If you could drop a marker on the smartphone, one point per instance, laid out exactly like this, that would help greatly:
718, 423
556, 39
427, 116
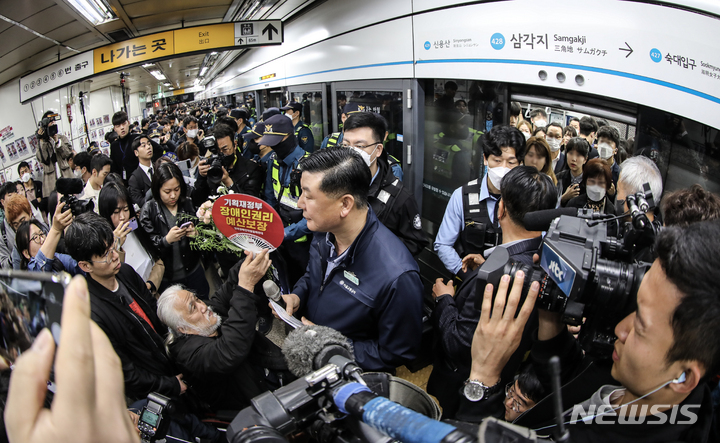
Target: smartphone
133, 223
186, 225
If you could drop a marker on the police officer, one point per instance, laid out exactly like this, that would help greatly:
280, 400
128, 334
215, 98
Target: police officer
282, 191
470, 224
241, 117
392, 203
336, 138
303, 134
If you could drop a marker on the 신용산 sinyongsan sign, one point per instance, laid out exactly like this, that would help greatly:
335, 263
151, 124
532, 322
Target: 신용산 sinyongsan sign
147, 48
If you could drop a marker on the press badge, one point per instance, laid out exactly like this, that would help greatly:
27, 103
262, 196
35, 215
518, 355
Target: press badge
350, 276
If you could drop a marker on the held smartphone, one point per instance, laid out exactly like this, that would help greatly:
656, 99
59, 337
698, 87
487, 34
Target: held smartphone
133, 223
185, 225
184, 165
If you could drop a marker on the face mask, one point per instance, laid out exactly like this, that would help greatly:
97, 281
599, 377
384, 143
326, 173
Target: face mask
288, 116
156, 140
540, 123
25, 177
192, 133
253, 147
527, 135
228, 160
595, 192
78, 173
554, 144
284, 148
605, 150
365, 156
496, 175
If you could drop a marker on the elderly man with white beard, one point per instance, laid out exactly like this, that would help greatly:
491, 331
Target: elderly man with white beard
216, 345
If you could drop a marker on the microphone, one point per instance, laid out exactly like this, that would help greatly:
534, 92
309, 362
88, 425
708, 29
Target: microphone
272, 291
394, 420
541, 220
310, 347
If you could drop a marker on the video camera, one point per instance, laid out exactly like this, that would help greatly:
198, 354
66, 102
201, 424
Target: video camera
69, 188
217, 161
45, 124
583, 272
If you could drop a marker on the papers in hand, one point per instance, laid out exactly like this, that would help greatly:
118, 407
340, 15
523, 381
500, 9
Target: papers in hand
282, 313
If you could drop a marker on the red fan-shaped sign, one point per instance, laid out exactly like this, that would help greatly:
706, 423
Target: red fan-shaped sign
248, 221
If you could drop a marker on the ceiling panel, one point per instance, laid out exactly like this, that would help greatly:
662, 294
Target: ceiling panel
143, 9
49, 19
20, 10
176, 17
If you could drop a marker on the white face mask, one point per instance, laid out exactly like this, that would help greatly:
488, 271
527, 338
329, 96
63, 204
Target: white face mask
605, 150
496, 175
25, 177
192, 133
527, 135
288, 115
78, 173
156, 140
540, 123
554, 144
595, 192
368, 158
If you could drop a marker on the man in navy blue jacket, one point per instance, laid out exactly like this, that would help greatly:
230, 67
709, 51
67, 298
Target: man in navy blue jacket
361, 280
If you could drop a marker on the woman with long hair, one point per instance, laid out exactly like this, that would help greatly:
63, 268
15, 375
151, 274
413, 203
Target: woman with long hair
165, 217
538, 155
38, 246
133, 245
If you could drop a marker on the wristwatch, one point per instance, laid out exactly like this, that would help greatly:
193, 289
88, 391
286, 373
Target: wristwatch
475, 390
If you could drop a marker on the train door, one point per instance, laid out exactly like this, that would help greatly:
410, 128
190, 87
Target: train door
392, 100
314, 111
269, 98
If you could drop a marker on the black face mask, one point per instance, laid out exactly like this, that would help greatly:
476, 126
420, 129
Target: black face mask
253, 147
228, 160
284, 148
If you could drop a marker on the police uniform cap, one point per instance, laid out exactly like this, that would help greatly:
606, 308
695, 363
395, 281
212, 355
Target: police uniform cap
257, 131
295, 106
276, 128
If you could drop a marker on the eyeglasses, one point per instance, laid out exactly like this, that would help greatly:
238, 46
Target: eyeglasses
510, 393
37, 238
361, 147
107, 258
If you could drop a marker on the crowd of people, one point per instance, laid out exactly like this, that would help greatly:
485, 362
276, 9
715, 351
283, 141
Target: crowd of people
352, 234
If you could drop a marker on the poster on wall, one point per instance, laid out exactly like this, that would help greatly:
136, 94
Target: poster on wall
101, 133
84, 143
92, 123
10, 147
23, 146
106, 119
33, 142
6, 133
105, 148
2, 156
2, 178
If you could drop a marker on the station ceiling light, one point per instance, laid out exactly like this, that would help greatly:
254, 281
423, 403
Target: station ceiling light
96, 12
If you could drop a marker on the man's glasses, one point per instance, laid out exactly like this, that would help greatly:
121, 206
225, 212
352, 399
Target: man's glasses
510, 393
360, 146
107, 258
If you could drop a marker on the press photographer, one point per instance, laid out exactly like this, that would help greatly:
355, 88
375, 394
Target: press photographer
55, 150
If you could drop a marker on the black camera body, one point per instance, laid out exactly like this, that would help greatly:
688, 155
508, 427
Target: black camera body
155, 418
583, 272
44, 124
217, 161
69, 187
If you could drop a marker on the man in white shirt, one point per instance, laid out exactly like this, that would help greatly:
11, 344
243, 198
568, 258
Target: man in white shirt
100, 165
141, 179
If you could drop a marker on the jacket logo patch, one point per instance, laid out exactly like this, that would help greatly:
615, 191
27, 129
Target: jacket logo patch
304, 139
416, 222
347, 287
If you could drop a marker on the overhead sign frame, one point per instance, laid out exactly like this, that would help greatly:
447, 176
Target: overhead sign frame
150, 48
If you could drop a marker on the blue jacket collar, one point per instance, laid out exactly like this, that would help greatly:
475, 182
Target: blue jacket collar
371, 225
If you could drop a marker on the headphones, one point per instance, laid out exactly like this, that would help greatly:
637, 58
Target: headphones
680, 379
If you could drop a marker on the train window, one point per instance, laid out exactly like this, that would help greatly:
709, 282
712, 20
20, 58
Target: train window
311, 113
388, 104
271, 98
457, 114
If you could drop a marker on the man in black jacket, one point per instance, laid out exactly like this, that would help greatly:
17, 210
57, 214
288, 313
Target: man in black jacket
141, 180
238, 173
655, 387
393, 204
123, 307
212, 343
123, 159
455, 317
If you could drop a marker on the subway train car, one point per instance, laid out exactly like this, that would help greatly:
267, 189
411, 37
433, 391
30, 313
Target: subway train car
649, 68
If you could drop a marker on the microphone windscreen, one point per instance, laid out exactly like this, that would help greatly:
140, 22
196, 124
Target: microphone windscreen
272, 291
540, 220
305, 343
